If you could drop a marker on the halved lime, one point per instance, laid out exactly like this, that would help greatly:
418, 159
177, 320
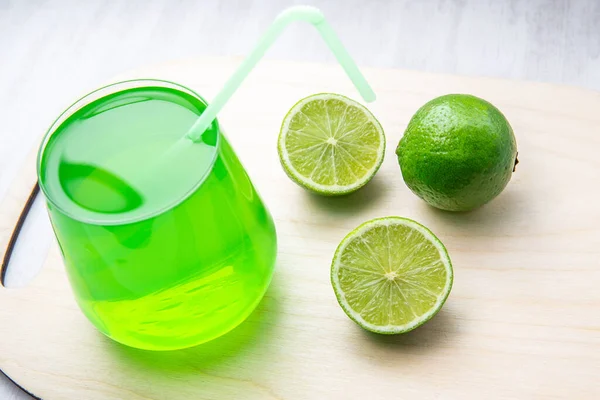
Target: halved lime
391, 275
330, 144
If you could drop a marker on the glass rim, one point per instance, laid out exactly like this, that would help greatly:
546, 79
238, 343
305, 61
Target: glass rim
98, 94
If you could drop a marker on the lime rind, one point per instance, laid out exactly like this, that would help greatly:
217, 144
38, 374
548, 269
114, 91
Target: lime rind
457, 153
328, 190
415, 323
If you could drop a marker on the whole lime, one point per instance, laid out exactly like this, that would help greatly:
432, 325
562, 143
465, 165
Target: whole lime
458, 152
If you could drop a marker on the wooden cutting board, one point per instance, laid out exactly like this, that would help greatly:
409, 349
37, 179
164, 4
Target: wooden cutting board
522, 321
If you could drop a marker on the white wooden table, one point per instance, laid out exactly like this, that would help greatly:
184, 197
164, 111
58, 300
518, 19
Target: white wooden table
52, 51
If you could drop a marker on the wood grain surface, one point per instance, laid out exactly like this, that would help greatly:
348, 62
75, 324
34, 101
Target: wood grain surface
53, 50
521, 322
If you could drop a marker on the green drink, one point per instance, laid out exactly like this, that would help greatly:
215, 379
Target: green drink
165, 241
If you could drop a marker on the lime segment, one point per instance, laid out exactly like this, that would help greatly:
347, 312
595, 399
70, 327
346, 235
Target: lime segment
330, 144
391, 275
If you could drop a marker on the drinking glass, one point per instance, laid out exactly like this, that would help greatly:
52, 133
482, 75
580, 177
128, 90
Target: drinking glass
165, 241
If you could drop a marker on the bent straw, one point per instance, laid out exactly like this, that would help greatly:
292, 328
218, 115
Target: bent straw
297, 13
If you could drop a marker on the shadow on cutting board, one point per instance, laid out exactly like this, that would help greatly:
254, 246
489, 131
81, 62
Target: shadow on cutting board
441, 328
349, 204
500, 216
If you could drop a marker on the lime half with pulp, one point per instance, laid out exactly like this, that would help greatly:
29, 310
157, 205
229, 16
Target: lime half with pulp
330, 144
391, 275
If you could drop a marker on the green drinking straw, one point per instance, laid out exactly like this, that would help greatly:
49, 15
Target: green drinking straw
297, 13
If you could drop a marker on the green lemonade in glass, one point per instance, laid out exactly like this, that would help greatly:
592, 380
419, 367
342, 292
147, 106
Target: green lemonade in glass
166, 242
